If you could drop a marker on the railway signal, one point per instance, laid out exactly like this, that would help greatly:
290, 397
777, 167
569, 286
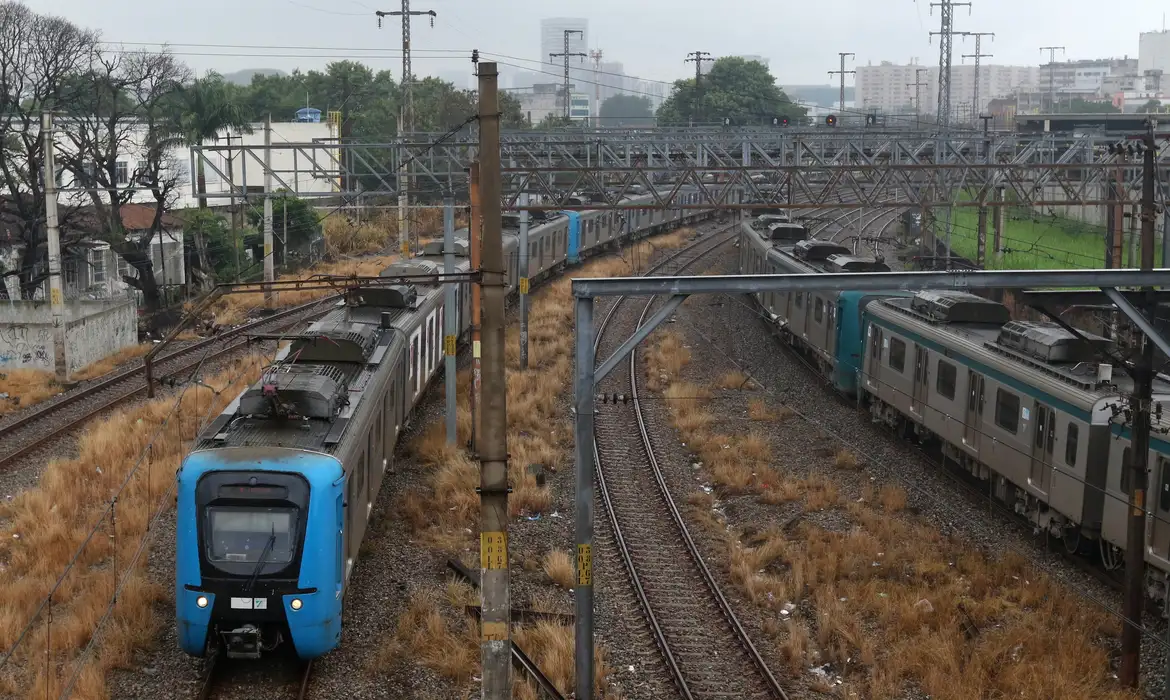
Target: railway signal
831, 120
727, 121
870, 119
779, 121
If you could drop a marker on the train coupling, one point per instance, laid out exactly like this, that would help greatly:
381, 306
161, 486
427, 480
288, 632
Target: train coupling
243, 642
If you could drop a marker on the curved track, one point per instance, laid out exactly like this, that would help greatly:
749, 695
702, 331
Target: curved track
31, 431
703, 644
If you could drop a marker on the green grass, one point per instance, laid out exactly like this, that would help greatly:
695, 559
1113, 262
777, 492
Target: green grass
1032, 241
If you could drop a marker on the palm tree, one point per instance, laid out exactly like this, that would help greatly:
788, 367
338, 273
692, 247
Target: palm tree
204, 109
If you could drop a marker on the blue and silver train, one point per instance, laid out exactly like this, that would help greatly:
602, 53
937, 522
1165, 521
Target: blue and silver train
274, 499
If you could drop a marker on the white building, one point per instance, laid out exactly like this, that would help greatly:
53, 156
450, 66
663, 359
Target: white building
890, 88
1154, 52
1085, 79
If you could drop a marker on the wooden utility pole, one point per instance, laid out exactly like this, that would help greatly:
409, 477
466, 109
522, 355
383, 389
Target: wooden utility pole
1140, 404
496, 638
475, 243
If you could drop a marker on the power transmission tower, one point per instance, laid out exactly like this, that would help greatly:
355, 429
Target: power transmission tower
977, 55
697, 57
565, 54
1052, 74
406, 112
946, 30
596, 56
843, 73
917, 85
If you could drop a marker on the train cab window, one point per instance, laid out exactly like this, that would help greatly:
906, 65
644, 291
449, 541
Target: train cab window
897, 354
241, 535
1007, 410
1070, 445
819, 311
945, 382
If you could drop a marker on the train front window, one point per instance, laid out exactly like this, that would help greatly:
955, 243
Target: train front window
241, 535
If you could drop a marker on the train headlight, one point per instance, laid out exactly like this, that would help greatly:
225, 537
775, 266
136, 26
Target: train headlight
201, 601
295, 604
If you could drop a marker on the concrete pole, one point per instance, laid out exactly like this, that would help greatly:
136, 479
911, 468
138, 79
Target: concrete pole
496, 640
583, 508
523, 281
403, 187
269, 264
475, 243
998, 221
449, 313
56, 291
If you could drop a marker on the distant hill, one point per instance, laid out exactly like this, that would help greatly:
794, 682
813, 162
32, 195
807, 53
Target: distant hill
825, 95
244, 77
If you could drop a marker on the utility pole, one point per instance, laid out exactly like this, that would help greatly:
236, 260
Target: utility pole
997, 222
1052, 79
977, 55
981, 244
405, 116
53, 232
946, 30
566, 54
843, 73
269, 263
596, 56
523, 281
475, 243
496, 641
450, 330
917, 85
697, 57
1140, 404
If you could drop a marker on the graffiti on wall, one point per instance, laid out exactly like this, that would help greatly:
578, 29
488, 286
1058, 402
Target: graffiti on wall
26, 346
98, 335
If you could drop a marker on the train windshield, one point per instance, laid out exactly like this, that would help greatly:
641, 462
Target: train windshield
241, 535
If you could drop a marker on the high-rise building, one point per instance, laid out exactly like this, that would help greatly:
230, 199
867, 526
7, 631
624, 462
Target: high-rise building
890, 88
552, 39
1154, 55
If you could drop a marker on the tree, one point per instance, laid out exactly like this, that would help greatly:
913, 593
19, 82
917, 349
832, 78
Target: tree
627, 110
1153, 106
1079, 106
294, 223
38, 54
118, 106
741, 90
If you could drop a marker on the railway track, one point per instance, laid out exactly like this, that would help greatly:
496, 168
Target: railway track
705, 648
217, 684
32, 431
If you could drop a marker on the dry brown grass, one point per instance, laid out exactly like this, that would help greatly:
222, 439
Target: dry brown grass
26, 387
893, 498
45, 525
846, 459
346, 236
109, 363
551, 647
449, 647
666, 357
560, 568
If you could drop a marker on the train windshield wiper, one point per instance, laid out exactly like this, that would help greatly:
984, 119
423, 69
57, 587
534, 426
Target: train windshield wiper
263, 555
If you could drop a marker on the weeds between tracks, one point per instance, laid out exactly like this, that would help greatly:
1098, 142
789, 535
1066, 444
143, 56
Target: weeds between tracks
886, 602
444, 514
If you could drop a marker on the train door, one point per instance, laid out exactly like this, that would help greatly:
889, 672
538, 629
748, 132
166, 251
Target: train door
921, 385
1043, 441
974, 419
1160, 541
873, 366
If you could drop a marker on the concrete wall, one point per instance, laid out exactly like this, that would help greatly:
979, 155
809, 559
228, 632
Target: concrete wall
100, 332
93, 330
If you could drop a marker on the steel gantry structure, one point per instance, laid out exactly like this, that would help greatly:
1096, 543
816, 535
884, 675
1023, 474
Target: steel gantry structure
807, 168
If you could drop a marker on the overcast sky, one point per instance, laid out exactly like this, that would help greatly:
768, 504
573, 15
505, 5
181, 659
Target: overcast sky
650, 37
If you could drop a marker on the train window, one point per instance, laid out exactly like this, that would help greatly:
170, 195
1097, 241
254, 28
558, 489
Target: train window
1164, 485
819, 311
414, 357
800, 300
945, 382
897, 354
1051, 432
1070, 445
1007, 410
